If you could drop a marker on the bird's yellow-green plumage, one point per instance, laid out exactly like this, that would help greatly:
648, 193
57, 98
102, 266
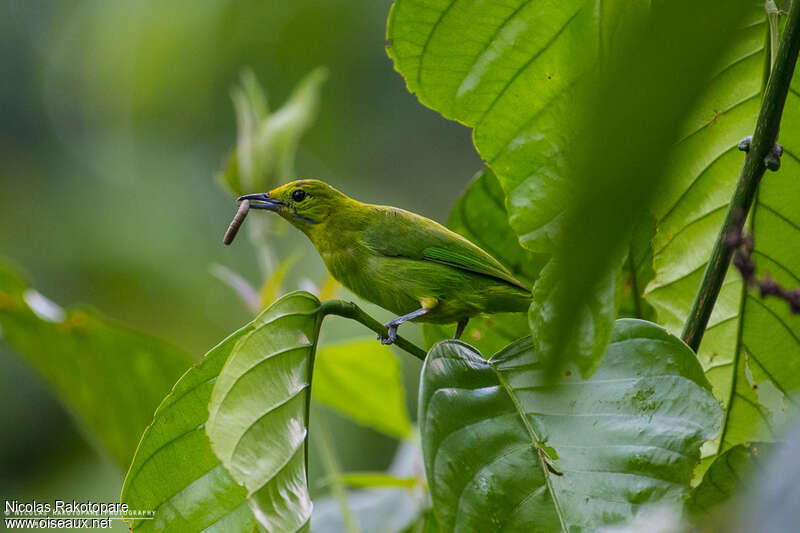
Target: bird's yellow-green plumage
396, 259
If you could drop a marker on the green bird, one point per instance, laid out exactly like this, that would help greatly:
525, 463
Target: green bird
401, 261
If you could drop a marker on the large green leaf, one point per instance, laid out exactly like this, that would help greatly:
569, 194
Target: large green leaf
516, 80
510, 80
111, 378
611, 194
175, 472
505, 451
361, 379
258, 414
480, 216
751, 349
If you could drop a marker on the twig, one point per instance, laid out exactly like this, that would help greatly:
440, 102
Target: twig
743, 244
352, 311
760, 156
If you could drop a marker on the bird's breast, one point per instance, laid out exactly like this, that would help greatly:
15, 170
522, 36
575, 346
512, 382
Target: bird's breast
372, 278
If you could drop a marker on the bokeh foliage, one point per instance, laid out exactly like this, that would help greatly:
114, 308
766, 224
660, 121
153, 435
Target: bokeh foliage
563, 114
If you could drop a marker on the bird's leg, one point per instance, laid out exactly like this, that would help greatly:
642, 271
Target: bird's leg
462, 324
392, 325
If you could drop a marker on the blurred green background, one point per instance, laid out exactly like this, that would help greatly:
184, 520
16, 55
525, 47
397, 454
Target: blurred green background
114, 117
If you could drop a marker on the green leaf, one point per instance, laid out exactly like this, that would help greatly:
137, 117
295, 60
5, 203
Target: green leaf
727, 476
258, 414
615, 107
522, 81
505, 451
361, 379
480, 216
750, 351
509, 80
175, 472
110, 377
593, 318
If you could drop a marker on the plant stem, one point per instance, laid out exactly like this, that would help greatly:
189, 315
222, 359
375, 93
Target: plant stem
773, 16
763, 141
352, 311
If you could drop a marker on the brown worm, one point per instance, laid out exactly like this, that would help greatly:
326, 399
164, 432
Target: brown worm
237, 221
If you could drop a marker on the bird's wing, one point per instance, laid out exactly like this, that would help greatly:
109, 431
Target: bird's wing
400, 233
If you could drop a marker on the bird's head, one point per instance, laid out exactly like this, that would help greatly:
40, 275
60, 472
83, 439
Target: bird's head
304, 203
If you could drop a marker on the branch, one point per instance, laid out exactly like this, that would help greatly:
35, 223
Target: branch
743, 261
761, 155
352, 311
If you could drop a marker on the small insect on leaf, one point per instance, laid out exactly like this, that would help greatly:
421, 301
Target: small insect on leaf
238, 219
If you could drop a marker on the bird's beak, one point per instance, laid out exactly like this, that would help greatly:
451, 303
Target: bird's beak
262, 200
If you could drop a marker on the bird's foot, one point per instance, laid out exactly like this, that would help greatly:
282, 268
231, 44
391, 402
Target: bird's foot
392, 334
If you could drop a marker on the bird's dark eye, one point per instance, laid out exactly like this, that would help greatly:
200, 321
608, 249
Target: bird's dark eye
298, 195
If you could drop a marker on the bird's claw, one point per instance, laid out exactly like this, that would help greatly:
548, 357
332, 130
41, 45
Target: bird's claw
392, 335
772, 160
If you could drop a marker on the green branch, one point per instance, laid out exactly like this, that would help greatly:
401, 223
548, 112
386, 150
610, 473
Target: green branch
352, 311
761, 154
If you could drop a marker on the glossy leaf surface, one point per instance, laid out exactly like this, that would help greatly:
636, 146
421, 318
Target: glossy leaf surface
175, 472
258, 413
504, 451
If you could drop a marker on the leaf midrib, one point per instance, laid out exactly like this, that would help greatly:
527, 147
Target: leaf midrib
535, 440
